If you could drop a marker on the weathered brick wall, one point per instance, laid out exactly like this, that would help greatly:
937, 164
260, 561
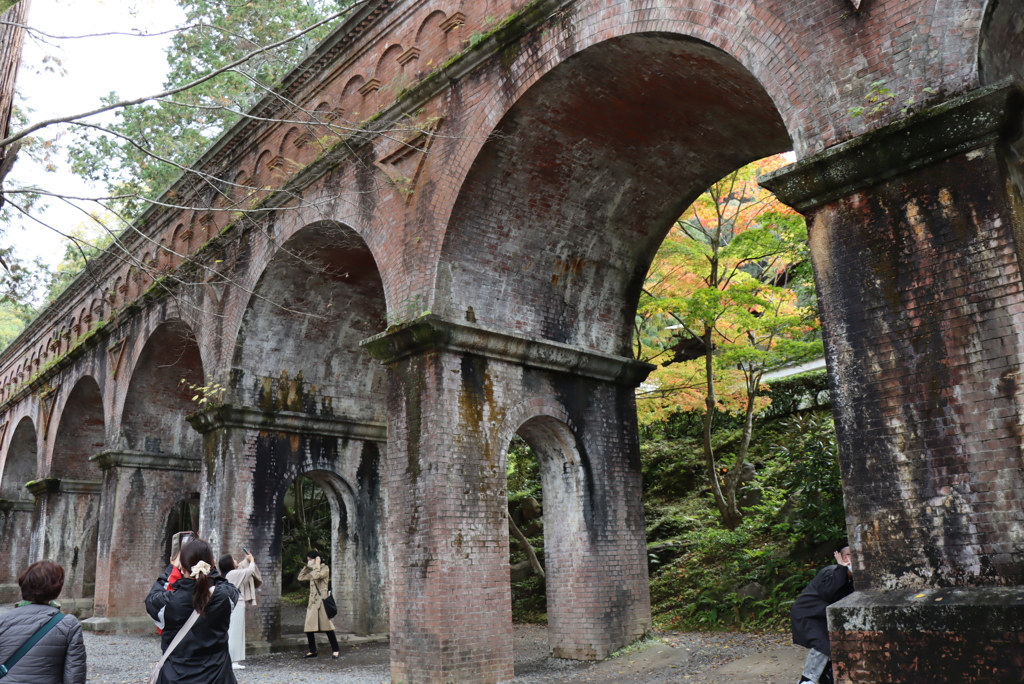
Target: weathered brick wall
135, 508
65, 530
914, 233
16, 536
957, 637
167, 375
246, 473
21, 463
79, 434
922, 303
453, 411
318, 296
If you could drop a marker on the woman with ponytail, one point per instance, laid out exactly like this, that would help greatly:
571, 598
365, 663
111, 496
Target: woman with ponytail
201, 657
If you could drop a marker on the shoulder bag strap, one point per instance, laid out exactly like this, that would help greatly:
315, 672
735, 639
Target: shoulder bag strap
182, 633
32, 641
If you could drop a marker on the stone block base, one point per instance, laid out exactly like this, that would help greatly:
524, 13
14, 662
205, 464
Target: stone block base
81, 608
10, 593
119, 625
939, 636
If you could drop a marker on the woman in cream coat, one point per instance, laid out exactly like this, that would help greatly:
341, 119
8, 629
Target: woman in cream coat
318, 575
242, 575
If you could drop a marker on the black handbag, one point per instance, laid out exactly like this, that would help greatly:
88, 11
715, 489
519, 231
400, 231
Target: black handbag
330, 606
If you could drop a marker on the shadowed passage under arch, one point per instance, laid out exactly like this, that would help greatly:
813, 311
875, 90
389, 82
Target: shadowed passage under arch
160, 393
298, 347
564, 208
16, 506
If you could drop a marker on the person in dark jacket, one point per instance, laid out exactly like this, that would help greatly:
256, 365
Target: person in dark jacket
202, 656
810, 624
59, 657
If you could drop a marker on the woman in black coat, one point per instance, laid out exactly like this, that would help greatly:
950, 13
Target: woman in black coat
810, 625
202, 656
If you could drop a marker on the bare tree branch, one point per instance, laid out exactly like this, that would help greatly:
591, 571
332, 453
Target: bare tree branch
166, 93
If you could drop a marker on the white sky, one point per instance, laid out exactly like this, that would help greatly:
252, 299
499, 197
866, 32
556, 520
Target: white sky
130, 65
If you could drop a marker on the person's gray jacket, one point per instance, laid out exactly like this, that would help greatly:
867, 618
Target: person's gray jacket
59, 658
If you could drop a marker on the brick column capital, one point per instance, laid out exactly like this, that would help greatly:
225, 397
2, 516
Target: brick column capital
430, 332
8, 506
48, 485
252, 418
978, 118
145, 460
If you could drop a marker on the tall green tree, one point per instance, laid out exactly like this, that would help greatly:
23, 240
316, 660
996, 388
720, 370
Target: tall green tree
129, 159
723, 305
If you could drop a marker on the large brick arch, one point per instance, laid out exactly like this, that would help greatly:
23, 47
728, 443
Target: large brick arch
80, 432
315, 300
160, 392
21, 462
566, 205
1001, 42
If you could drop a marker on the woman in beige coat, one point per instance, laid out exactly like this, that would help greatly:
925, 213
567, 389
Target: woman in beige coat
318, 574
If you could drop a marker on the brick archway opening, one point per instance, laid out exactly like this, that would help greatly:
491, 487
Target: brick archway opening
297, 349
348, 551
565, 206
183, 516
71, 506
81, 433
167, 375
562, 467
21, 464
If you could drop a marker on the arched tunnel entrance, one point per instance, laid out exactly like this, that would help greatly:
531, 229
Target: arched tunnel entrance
308, 403
16, 506
68, 519
552, 234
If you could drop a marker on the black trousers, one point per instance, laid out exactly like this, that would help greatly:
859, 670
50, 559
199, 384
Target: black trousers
330, 637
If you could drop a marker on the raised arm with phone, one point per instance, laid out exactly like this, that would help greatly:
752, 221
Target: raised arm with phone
318, 618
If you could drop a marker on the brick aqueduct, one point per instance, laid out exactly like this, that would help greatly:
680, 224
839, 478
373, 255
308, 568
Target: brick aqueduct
448, 212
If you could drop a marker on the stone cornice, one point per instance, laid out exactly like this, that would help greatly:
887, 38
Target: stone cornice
148, 461
978, 118
55, 484
291, 422
9, 505
432, 332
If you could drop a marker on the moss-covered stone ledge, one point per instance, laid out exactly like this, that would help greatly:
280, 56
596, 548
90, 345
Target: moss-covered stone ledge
146, 461
289, 422
981, 117
8, 506
430, 332
50, 485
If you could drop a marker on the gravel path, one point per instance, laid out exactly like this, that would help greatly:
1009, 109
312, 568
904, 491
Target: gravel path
666, 657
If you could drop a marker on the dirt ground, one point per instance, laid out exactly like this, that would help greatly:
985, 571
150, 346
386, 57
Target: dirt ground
669, 657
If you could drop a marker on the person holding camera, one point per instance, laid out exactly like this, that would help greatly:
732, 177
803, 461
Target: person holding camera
195, 650
317, 620
243, 576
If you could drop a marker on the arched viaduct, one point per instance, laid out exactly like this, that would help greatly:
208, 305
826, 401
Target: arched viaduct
471, 193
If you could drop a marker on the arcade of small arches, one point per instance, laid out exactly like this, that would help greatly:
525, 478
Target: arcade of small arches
395, 312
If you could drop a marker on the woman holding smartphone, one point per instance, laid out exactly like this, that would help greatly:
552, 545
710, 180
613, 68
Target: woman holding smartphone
318, 574
241, 575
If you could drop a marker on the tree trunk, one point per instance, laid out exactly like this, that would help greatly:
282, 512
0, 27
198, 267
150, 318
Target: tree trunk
12, 39
732, 482
525, 544
711, 405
